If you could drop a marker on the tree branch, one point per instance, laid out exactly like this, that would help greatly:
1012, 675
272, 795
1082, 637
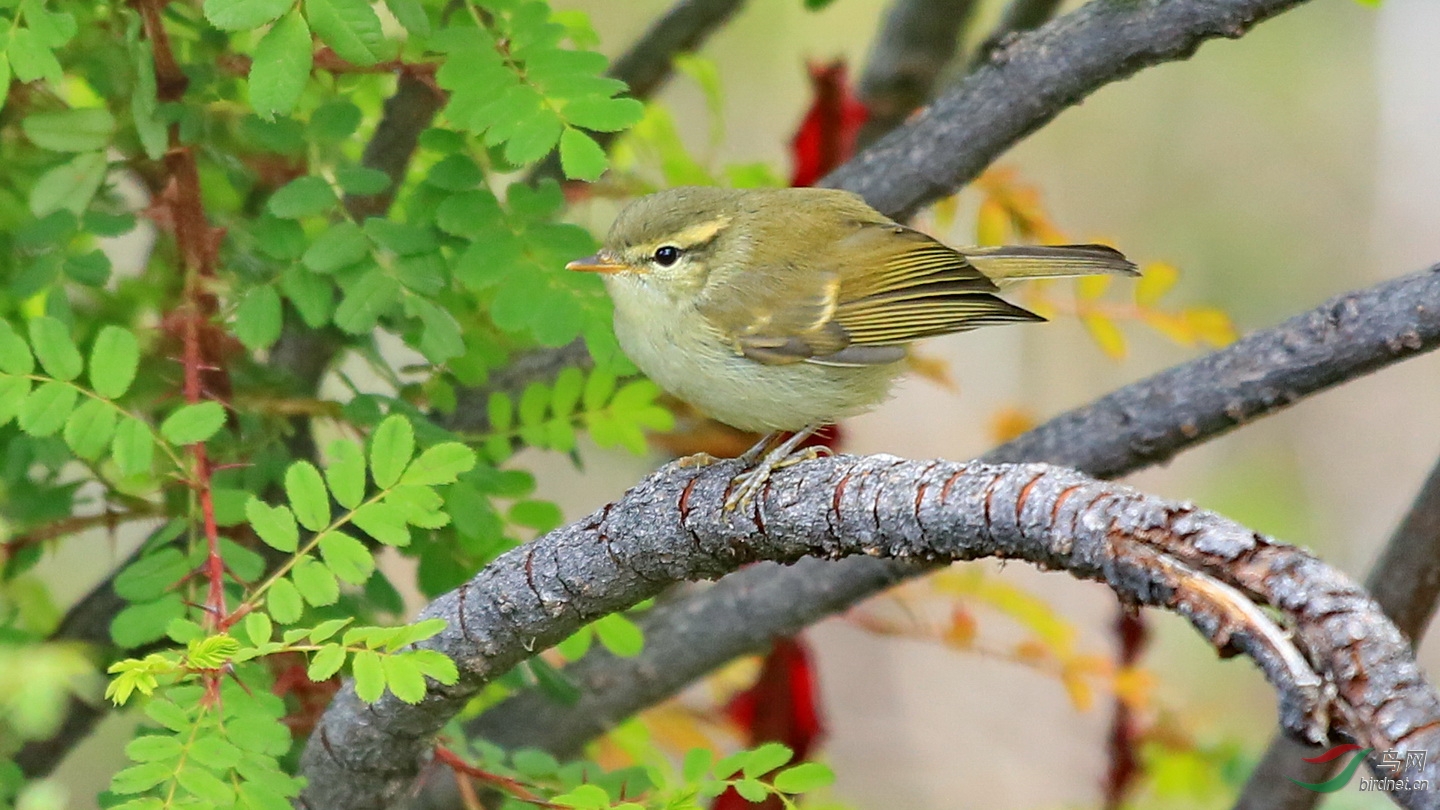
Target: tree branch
1141, 424
1405, 581
1020, 16
917, 40
1029, 82
1337, 663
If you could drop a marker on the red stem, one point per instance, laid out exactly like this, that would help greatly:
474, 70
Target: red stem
196, 242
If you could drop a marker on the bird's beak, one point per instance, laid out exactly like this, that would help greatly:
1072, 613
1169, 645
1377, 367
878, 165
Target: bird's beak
597, 263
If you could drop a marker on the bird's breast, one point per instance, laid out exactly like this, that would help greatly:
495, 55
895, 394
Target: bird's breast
687, 356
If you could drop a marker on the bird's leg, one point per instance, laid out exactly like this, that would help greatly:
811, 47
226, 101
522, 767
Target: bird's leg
745, 486
703, 459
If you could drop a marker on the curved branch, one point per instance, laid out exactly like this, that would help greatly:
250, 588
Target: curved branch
1337, 663
1141, 424
1406, 583
1027, 83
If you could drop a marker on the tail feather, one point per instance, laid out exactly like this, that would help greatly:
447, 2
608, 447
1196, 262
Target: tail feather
1014, 262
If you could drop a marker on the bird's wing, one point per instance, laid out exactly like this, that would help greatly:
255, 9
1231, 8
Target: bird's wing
876, 287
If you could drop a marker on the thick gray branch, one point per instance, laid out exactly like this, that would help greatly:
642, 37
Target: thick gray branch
1405, 582
1030, 81
1141, 424
1336, 662
1020, 16
915, 43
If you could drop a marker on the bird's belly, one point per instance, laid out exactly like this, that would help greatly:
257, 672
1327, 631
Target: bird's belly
698, 368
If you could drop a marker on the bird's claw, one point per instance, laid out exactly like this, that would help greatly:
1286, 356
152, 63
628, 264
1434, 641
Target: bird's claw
745, 486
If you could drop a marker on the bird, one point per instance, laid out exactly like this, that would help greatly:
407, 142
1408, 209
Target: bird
784, 309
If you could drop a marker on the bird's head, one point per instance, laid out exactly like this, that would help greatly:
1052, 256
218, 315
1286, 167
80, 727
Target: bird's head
669, 240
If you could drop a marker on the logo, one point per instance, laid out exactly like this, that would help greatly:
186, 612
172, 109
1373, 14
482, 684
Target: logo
1393, 761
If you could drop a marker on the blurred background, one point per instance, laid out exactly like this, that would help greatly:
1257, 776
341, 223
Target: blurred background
1274, 172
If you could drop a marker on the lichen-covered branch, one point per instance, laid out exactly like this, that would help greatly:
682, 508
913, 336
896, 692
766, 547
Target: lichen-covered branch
1336, 662
1028, 82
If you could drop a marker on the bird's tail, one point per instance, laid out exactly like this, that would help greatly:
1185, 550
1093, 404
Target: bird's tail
1015, 262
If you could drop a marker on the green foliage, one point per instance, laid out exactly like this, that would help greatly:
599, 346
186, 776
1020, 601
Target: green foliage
178, 396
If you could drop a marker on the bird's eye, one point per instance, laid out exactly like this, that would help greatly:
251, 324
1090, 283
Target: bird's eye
666, 255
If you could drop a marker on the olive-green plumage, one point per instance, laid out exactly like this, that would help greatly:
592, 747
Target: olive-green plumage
777, 309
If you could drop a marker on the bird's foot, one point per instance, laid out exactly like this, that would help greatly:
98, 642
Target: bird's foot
745, 486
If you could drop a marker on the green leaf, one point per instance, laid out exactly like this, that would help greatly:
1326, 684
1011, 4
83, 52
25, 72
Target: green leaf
603, 114
154, 748
580, 156
13, 391
308, 498
620, 635
258, 628
315, 582
365, 301
241, 15
751, 790
281, 66
215, 752
31, 58
284, 602
141, 777
384, 522
441, 338
440, 464
369, 675
46, 409
69, 186
56, 350
326, 662
403, 678
436, 665
89, 429
258, 319
411, 14
302, 197
766, 758
144, 622
340, 245
391, 446
350, 27
312, 295
803, 778
193, 423
113, 361
15, 355
347, 557
542, 515
326, 629
206, 787
346, 472
91, 268
533, 138
274, 524
697, 763
335, 121
87, 129
134, 446
361, 180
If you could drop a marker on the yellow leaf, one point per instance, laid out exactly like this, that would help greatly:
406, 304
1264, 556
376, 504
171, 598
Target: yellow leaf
992, 223
931, 368
1134, 687
962, 630
1106, 333
1175, 327
1009, 422
677, 729
1211, 325
1025, 608
1031, 651
945, 210
1081, 695
1156, 279
1090, 288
